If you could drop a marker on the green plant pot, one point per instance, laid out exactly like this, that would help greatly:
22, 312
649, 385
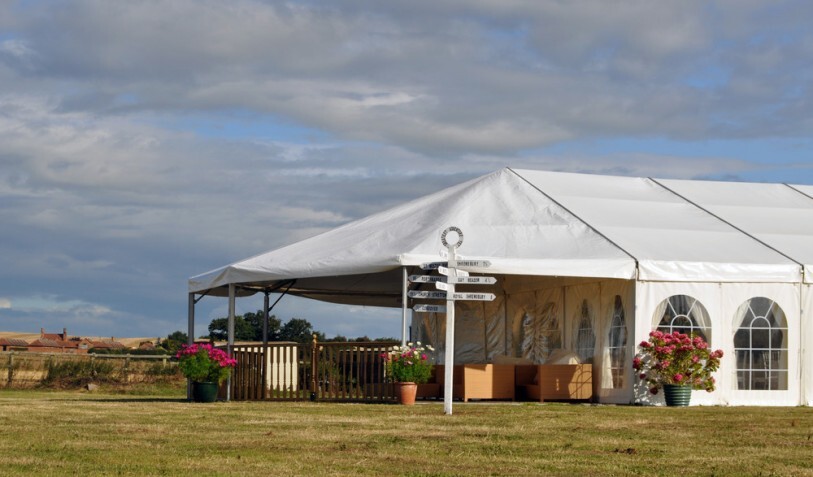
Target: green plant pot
204, 392
677, 394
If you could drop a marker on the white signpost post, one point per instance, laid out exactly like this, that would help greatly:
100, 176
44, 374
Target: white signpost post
450, 276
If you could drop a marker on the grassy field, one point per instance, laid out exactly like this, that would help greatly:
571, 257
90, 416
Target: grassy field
59, 433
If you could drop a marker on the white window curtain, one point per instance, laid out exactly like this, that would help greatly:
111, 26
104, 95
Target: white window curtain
615, 353
761, 346
585, 336
684, 314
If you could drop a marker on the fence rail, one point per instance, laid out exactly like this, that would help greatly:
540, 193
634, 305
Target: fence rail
334, 371
25, 369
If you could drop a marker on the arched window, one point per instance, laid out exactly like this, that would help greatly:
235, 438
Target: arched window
617, 344
683, 314
761, 346
585, 337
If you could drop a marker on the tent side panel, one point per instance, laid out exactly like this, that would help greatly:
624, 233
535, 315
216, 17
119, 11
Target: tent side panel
775, 379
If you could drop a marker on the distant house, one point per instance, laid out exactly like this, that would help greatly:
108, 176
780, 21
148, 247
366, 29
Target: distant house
62, 343
146, 345
13, 344
54, 336
107, 344
47, 345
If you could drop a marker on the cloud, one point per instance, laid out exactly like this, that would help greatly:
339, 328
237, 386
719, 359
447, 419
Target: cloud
5, 303
145, 142
457, 76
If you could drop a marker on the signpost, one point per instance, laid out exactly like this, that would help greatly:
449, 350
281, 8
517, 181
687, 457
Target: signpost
425, 279
474, 296
472, 280
433, 265
432, 295
473, 264
445, 271
429, 308
451, 273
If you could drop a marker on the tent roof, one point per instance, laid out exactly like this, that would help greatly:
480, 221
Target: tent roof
504, 219
546, 223
778, 215
671, 238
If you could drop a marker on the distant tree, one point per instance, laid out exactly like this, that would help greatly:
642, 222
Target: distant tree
387, 339
300, 331
174, 341
255, 319
248, 327
219, 329
360, 339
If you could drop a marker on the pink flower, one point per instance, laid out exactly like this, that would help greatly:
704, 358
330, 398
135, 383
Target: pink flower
678, 377
636, 363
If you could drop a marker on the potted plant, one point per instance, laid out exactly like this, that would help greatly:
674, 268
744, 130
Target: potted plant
407, 366
207, 367
677, 363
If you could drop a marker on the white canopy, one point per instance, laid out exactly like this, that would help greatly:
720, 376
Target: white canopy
778, 215
550, 224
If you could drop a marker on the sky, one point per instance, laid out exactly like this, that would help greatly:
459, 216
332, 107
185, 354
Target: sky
145, 142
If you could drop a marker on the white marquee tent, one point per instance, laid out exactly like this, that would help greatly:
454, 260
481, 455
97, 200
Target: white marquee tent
587, 263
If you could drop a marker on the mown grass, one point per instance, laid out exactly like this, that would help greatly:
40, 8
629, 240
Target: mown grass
58, 433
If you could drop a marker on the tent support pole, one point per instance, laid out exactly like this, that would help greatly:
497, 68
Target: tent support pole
190, 337
404, 286
265, 353
230, 342
265, 320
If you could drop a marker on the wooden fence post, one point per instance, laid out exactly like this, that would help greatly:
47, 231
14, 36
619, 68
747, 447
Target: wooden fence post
10, 368
314, 367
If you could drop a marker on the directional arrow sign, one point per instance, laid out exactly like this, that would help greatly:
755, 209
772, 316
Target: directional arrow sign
473, 263
446, 271
441, 286
433, 265
472, 280
429, 308
425, 279
433, 295
474, 296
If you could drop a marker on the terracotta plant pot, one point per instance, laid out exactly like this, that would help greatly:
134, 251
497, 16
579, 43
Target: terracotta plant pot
406, 392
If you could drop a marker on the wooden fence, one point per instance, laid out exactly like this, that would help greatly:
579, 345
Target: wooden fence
335, 371
21, 369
